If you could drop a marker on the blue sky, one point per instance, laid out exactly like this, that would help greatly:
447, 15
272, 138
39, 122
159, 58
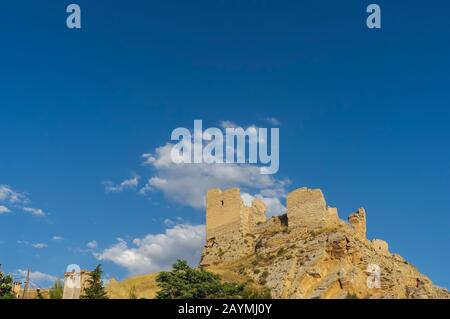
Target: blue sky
364, 116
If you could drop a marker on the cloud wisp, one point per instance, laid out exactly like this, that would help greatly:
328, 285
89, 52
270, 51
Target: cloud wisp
34, 245
92, 244
34, 211
130, 183
4, 210
11, 199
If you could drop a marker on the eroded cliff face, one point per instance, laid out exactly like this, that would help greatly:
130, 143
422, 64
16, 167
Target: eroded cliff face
308, 252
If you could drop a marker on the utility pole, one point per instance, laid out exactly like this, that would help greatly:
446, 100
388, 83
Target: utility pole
27, 282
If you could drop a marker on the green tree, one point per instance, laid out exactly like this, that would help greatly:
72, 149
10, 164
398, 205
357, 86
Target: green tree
6, 286
56, 291
184, 282
95, 288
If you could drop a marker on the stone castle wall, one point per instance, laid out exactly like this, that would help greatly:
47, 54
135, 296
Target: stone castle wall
307, 208
232, 227
226, 212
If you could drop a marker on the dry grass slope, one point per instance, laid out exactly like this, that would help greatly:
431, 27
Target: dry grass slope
145, 287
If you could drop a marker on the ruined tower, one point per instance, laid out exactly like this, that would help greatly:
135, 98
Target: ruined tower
230, 225
226, 213
358, 221
307, 208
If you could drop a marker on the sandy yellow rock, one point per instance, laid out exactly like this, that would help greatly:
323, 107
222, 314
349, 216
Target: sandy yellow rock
308, 252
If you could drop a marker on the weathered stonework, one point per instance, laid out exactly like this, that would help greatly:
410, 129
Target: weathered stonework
358, 222
226, 212
381, 246
307, 208
230, 225
257, 214
274, 224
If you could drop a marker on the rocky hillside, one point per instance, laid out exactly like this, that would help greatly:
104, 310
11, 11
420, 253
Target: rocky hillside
306, 253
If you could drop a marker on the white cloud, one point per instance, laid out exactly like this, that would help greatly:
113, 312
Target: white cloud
247, 199
157, 252
57, 238
92, 244
11, 198
34, 211
274, 206
4, 210
8, 195
187, 184
39, 245
130, 183
228, 124
273, 121
37, 277
168, 222
34, 245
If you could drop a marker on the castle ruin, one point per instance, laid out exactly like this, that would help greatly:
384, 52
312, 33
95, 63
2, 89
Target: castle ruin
232, 227
308, 252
